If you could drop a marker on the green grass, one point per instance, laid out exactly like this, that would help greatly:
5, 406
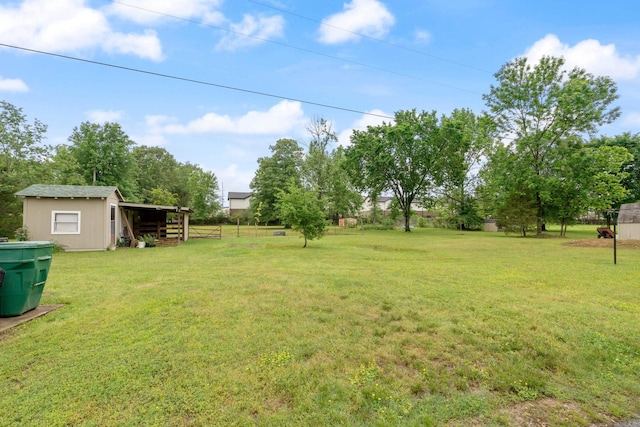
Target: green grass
433, 327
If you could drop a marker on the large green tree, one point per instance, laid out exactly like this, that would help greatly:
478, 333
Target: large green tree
538, 109
203, 191
408, 158
586, 179
473, 136
342, 199
273, 175
158, 169
104, 155
23, 159
631, 167
302, 209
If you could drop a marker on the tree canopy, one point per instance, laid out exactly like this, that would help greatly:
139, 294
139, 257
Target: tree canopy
408, 157
302, 209
542, 111
273, 175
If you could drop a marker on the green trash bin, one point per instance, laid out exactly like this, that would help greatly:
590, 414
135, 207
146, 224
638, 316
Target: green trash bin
25, 266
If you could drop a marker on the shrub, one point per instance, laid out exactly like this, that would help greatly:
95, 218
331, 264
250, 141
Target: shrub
22, 234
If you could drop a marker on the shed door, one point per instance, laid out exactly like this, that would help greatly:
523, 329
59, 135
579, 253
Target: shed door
113, 224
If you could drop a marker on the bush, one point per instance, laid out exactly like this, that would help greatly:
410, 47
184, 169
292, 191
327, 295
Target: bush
21, 234
149, 240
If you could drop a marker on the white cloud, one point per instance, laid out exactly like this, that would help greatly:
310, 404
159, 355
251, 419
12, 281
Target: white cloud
135, 10
423, 36
589, 54
372, 119
67, 26
251, 31
103, 116
367, 17
145, 45
282, 118
234, 179
12, 85
154, 130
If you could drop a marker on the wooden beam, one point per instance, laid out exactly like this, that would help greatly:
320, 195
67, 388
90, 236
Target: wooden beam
134, 241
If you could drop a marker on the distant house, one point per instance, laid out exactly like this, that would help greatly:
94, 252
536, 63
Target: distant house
239, 203
89, 218
384, 206
629, 222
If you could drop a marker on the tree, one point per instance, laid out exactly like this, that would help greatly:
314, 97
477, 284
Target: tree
342, 199
65, 168
518, 213
302, 210
203, 191
539, 108
158, 169
23, 158
408, 158
105, 157
461, 177
631, 167
587, 178
273, 175
162, 197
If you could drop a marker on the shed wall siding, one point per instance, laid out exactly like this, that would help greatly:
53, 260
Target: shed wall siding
629, 231
236, 204
95, 231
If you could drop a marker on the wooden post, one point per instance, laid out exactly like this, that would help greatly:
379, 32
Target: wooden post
134, 241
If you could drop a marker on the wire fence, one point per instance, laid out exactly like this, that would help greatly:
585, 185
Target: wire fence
247, 231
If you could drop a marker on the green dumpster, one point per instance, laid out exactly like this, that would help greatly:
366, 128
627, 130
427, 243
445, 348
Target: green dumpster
25, 266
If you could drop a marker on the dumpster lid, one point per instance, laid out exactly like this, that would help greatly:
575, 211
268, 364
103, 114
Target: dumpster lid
25, 245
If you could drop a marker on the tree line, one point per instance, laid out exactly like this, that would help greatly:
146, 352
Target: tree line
533, 157
96, 154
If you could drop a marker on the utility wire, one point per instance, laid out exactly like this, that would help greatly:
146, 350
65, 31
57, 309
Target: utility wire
388, 43
301, 49
201, 82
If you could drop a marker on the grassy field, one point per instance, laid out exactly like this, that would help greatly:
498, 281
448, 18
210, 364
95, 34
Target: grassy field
433, 327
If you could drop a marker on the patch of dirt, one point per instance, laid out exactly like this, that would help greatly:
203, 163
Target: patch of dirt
604, 243
544, 412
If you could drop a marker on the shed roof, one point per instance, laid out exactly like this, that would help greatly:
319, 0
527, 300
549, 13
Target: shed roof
238, 195
69, 191
629, 213
155, 207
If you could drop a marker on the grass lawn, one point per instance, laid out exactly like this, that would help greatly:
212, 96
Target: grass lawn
433, 327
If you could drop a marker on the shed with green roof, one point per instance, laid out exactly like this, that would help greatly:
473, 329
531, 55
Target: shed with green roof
89, 218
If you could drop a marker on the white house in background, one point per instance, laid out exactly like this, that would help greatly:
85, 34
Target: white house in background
384, 205
238, 203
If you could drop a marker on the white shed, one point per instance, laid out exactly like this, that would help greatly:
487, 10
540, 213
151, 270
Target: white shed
629, 222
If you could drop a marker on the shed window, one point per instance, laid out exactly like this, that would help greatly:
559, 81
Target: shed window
65, 222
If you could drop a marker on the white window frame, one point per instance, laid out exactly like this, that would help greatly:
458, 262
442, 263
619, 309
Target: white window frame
53, 222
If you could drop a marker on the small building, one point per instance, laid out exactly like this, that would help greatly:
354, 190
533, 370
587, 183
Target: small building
90, 218
491, 225
629, 222
239, 203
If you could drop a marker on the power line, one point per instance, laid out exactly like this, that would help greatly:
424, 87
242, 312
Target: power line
201, 82
301, 49
388, 43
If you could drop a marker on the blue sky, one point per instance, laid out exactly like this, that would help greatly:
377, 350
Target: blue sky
369, 56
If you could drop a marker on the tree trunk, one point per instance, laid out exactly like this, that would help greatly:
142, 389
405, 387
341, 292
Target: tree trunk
407, 228
539, 219
305, 243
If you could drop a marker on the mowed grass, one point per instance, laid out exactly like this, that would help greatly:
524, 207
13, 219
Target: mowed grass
433, 327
